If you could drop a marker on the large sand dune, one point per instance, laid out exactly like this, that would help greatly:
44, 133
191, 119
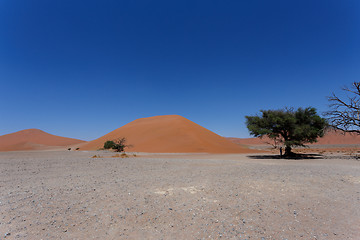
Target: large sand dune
330, 138
168, 134
33, 139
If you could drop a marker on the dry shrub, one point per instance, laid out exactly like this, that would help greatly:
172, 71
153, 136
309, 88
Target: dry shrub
123, 155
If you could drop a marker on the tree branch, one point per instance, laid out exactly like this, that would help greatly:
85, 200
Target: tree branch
345, 113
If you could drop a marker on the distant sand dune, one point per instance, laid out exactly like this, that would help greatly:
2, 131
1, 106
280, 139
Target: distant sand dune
33, 139
168, 134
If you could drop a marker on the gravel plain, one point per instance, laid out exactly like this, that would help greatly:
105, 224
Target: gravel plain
70, 195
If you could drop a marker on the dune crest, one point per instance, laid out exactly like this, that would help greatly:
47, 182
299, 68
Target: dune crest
168, 134
33, 139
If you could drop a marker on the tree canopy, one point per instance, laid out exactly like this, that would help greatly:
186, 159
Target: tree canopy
109, 144
118, 145
289, 127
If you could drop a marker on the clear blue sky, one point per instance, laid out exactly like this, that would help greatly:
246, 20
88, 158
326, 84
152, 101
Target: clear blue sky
84, 68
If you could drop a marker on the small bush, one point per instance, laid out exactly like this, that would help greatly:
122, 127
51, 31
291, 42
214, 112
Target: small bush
124, 155
109, 144
118, 144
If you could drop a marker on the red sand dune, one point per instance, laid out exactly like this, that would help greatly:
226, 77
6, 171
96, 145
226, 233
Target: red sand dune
330, 138
33, 139
168, 134
338, 138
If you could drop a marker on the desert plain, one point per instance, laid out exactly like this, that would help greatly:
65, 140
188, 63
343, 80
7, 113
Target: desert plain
181, 181
71, 195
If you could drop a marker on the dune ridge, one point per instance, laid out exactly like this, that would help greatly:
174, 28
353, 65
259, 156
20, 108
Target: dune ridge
168, 134
33, 139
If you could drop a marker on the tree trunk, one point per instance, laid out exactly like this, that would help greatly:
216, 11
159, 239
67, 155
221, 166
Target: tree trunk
288, 151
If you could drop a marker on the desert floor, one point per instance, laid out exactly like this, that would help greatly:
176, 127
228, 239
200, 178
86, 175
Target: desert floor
70, 195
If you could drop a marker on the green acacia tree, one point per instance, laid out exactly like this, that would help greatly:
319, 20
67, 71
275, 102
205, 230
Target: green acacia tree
109, 144
118, 145
289, 127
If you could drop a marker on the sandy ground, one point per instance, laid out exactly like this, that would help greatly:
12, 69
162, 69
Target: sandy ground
69, 195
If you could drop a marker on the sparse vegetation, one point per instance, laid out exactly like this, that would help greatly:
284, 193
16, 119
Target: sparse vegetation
288, 127
123, 155
109, 144
118, 145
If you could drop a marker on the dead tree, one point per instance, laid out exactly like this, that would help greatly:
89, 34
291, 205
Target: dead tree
344, 113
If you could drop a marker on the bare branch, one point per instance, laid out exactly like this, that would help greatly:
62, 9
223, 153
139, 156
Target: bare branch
345, 113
